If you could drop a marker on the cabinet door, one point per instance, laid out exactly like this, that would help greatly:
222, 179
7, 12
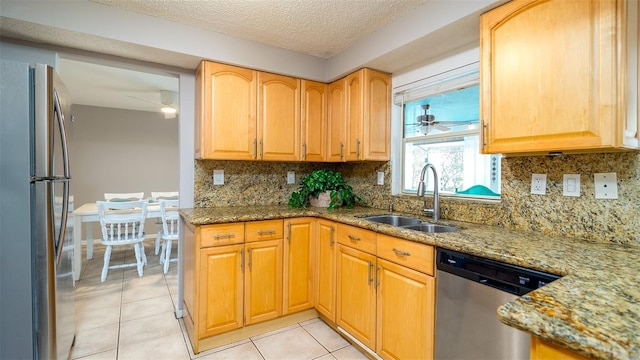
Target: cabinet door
542, 350
355, 113
377, 116
336, 121
278, 117
405, 312
263, 281
220, 290
314, 120
299, 254
356, 295
326, 269
535, 100
226, 110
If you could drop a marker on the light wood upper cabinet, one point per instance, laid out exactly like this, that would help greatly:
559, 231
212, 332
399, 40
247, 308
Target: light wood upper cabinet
336, 121
368, 108
299, 264
243, 114
555, 86
225, 112
326, 269
278, 133
314, 121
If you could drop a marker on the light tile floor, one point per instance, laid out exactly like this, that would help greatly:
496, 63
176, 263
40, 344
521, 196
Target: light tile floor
131, 317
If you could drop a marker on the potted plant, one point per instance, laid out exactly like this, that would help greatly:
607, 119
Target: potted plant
324, 183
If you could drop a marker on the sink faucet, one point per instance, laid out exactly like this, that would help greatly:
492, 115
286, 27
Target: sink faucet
435, 211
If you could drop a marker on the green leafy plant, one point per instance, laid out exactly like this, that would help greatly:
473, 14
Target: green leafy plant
320, 181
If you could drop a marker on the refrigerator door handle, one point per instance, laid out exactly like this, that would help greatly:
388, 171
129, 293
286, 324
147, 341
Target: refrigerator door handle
63, 221
57, 109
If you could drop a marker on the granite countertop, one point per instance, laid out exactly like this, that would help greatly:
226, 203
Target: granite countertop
593, 310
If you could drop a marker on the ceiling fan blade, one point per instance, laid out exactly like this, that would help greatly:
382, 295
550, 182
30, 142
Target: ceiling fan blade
440, 127
455, 123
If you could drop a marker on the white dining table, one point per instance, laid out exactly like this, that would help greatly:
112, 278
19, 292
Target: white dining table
86, 215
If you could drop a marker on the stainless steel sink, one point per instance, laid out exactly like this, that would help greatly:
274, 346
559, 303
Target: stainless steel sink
431, 228
395, 220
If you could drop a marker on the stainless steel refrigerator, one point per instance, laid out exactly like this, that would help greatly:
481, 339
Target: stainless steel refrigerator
37, 307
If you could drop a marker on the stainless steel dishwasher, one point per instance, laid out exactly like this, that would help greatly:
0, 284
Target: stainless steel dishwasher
469, 289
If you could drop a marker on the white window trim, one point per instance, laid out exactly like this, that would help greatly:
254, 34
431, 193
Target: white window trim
464, 76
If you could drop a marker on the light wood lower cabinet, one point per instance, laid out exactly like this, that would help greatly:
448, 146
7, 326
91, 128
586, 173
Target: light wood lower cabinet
326, 269
377, 288
231, 280
299, 264
542, 350
386, 301
263, 281
356, 295
405, 312
221, 289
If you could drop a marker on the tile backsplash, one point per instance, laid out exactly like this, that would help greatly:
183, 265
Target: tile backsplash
618, 221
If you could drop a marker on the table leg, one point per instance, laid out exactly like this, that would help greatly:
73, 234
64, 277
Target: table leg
77, 247
89, 241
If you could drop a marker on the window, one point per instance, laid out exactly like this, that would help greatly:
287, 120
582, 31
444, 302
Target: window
441, 127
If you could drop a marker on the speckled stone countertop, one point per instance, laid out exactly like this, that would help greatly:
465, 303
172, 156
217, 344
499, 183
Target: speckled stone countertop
594, 309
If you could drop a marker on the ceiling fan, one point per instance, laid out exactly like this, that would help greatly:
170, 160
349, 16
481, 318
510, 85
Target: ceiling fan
168, 103
424, 123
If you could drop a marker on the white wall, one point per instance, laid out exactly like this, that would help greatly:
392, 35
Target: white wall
117, 150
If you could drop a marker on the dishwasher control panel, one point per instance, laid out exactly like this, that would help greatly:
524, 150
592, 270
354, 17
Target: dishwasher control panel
510, 278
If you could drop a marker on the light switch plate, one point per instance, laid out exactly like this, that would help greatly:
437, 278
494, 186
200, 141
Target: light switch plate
606, 185
291, 177
539, 184
571, 185
380, 178
218, 177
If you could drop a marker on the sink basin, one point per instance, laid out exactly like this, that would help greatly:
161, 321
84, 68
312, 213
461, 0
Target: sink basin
431, 228
395, 220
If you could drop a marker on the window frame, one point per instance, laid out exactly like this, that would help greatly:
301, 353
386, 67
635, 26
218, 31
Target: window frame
464, 76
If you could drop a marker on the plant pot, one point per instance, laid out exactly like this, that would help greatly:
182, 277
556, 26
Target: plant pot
323, 200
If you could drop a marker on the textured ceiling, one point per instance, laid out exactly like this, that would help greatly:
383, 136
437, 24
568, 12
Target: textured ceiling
320, 28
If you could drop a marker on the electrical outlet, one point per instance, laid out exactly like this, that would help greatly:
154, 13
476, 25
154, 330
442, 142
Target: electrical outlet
606, 185
291, 177
218, 177
571, 185
380, 178
539, 184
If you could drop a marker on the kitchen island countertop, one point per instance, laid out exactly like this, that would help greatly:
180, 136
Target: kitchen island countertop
593, 310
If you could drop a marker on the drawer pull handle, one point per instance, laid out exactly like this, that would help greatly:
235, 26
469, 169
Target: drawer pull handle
401, 253
228, 235
354, 238
266, 232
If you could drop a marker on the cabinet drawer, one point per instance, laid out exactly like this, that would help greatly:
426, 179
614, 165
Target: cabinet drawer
221, 234
406, 253
263, 230
357, 238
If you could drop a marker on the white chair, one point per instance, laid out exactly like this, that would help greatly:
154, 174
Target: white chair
169, 233
122, 223
155, 197
123, 196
